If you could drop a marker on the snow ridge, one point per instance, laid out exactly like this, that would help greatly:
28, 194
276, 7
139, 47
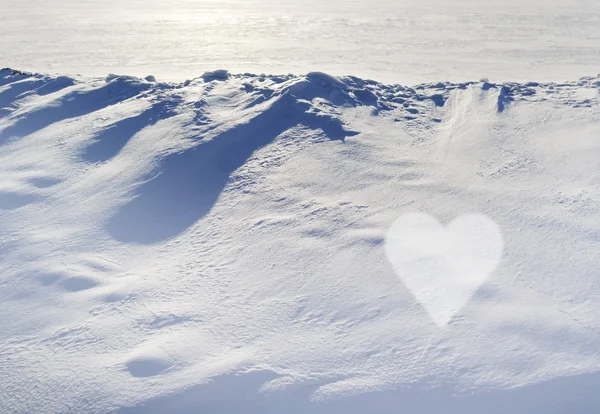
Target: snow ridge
344, 91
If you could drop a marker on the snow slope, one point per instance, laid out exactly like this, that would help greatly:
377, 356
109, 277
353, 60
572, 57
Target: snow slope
399, 41
216, 245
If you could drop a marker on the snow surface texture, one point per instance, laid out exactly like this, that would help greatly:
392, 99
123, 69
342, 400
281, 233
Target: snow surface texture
216, 245
393, 41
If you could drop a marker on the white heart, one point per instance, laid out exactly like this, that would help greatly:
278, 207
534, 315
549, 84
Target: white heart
443, 267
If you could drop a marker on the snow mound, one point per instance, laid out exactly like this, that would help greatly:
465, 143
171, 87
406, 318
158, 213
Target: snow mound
217, 245
220, 74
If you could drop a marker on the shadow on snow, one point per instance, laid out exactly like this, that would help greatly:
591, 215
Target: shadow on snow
72, 105
234, 394
189, 183
111, 140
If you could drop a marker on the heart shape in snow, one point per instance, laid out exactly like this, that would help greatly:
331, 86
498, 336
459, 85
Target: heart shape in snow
443, 266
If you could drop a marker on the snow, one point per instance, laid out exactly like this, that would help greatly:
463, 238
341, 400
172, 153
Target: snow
217, 245
408, 41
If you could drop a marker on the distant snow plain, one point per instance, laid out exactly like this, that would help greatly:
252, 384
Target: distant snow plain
391, 41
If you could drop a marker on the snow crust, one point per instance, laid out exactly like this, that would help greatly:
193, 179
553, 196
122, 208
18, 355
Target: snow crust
216, 245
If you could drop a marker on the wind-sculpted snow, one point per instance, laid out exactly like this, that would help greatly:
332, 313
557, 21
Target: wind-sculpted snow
217, 245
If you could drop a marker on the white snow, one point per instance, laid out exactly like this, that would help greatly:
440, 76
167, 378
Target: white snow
393, 41
216, 245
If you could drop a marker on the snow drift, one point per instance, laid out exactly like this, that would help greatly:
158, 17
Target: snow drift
216, 245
